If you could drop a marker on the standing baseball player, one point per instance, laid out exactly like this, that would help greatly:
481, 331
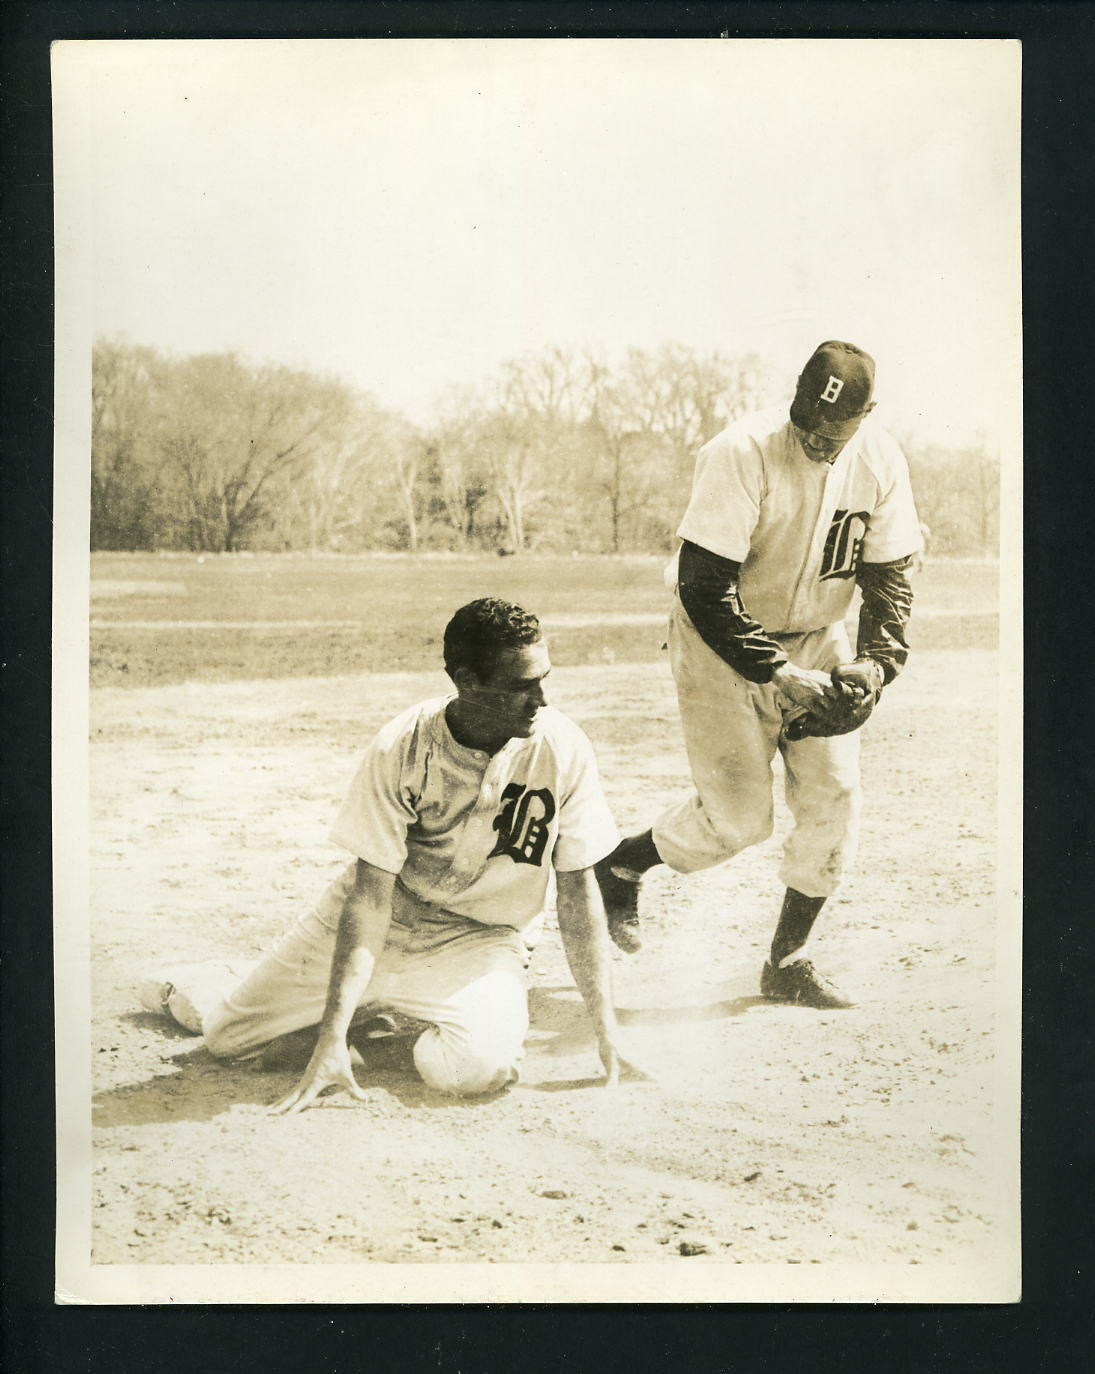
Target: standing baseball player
787, 516
458, 813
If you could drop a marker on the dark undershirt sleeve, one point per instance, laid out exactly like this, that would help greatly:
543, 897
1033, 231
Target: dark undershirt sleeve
884, 614
708, 588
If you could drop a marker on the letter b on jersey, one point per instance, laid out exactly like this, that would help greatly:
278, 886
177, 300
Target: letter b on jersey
843, 544
523, 823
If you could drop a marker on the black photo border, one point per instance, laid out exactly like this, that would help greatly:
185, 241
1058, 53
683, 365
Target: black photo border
1053, 1326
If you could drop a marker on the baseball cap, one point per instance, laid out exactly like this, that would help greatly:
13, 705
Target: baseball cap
834, 390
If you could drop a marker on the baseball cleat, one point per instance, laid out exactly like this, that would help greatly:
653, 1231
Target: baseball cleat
801, 984
374, 1027
621, 898
291, 1052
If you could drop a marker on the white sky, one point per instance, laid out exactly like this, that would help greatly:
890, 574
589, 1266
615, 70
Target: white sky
410, 213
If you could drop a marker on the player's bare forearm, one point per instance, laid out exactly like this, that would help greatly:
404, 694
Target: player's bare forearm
362, 929
584, 932
585, 942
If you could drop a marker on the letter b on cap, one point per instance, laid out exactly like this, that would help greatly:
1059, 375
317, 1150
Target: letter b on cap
833, 390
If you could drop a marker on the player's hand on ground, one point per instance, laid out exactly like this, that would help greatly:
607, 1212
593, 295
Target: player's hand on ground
805, 687
329, 1067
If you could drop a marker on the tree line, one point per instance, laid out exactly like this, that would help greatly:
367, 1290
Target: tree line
557, 451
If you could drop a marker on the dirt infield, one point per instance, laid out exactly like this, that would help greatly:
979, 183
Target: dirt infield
771, 1134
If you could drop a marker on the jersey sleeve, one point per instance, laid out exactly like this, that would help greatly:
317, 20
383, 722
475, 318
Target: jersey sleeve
587, 831
894, 529
884, 615
726, 494
708, 587
378, 809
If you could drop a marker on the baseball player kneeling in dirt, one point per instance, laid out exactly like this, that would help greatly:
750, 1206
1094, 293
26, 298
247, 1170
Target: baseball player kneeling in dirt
787, 515
457, 813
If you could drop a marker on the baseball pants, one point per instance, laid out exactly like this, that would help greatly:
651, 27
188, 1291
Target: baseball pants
465, 978
732, 729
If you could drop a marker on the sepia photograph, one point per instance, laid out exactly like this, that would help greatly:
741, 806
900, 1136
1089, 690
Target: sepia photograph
537, 705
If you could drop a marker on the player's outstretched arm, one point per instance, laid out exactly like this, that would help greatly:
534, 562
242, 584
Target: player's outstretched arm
585, 940
362, 930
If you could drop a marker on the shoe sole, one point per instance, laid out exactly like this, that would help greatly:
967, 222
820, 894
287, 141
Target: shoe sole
797, 1001
624, 937
622, 920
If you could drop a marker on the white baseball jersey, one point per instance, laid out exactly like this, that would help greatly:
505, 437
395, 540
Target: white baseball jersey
470, 832
799, 528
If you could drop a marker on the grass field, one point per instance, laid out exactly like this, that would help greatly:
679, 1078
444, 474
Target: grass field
160, 618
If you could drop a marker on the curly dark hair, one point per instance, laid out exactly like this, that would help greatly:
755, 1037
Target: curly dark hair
481, 629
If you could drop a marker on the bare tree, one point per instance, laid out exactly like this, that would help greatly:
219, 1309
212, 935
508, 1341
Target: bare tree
622, 446
552, 385
687, 397
957, 495
536, 398
361, 476
985, 489
127, 387
233, 431
559, 449
675, 400
407, 455
560, 426
318, 506
511, 451
454, 451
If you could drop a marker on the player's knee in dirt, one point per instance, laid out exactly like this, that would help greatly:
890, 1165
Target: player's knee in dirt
223, 1034
481, 1077
463, 1069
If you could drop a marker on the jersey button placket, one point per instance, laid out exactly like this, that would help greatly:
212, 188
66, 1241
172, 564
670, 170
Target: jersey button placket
481, 821
466, 863
821, 487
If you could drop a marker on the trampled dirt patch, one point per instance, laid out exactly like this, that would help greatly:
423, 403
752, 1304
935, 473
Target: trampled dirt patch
770, 1134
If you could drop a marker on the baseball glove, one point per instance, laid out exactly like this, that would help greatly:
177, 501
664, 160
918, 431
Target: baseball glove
858, 685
